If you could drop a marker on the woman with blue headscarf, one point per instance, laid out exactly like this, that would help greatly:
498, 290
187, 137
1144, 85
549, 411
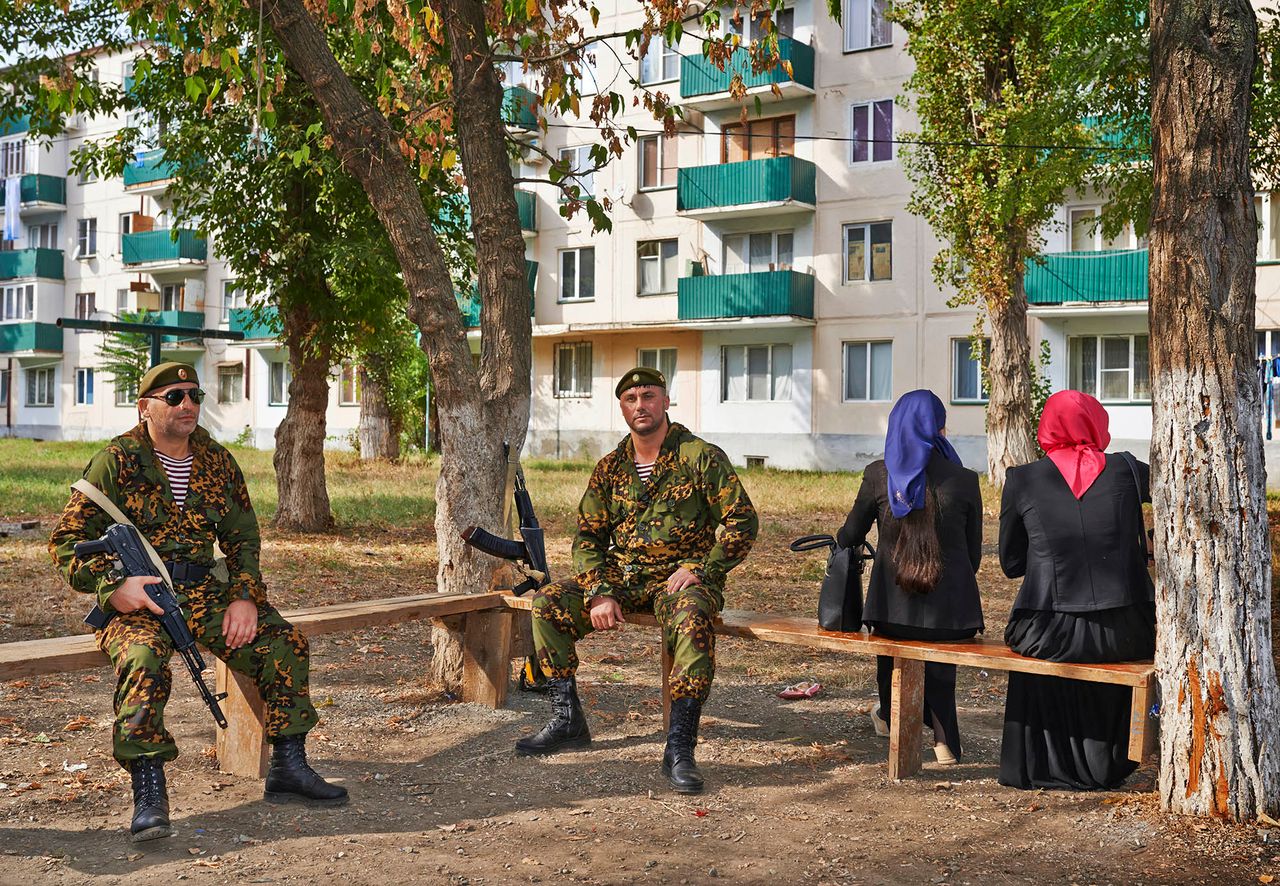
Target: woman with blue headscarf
928, 510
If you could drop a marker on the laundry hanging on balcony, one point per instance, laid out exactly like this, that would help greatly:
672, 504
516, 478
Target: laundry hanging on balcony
12, 202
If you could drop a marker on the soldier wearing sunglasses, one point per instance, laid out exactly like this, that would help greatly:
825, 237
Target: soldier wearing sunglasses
185, 493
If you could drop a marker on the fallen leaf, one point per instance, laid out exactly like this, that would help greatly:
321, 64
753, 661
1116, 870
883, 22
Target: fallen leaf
701, 813
1265, 878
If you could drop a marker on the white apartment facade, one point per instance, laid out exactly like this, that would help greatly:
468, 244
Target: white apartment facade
93, 248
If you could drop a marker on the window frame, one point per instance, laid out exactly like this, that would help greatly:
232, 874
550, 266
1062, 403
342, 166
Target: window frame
578, 392
778, 144
11, 148
586, 182
13, 307
124, 396
847, 16
230, 288
33, 383
658, 354
746, 347
178, 291
666, 53
286, 374
871, 144
84, 386
87, 235
577, 297
126, 227
234, 373
866, 256
1099, 370
43, 235
665, 144
666, 287
984, 394
6, 379
348, 373
774, 264
844, 369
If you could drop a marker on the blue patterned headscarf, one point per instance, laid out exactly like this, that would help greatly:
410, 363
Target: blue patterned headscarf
915, 432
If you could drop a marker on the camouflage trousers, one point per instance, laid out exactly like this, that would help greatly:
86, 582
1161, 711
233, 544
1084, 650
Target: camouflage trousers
560, 619
277, 660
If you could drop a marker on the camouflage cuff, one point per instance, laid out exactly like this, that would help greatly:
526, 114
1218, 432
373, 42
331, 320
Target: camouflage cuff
698, 568
105, 589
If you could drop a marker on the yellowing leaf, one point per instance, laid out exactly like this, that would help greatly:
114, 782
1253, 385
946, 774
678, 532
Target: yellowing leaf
531, 8
1265, 878
449, 160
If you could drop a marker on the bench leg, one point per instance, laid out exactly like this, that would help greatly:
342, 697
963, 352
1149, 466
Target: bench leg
906, 718
1143, 729
486, 657
242, 746
667, 663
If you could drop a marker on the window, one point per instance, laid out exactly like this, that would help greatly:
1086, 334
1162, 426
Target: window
1268, 343
661, 63
578, 274
4, 387
349, 385
171, 296
754, 28
13, 157
84, 387
589, 73
1267, 208
865, 25
43, 236
233, 296
579, 159
754, 253
657, 162
868, 251
280, 377
663, 360
656, 266
231, 383
573, 369
40, 387
122, 300
968, 382
1085, 234
871, 131
1113, 368
126, 393
772, 137
755, 372
86, 237
18, 302
868, 370
126, 227
86, 304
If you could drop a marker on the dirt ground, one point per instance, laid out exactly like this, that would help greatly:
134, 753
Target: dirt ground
797, 791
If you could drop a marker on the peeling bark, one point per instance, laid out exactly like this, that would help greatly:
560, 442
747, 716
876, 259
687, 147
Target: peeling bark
378, 431
299, 456
1219, 740
1009, 432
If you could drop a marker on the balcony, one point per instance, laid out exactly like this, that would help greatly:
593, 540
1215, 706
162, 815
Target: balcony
15, 125
193, 320
149, 173
469, 302
243, 320
705, 87
1115, 277
770, 186
159, 251
759, 294
527, 203
35, 262
520, 108
41, 191
17, 338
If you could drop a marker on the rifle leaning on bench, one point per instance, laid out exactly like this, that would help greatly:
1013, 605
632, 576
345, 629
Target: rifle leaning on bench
125, 545
530, 552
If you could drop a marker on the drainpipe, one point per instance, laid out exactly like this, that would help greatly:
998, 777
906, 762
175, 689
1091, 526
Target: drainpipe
8, 401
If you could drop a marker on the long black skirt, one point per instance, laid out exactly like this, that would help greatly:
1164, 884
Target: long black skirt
1072, 734
939, 679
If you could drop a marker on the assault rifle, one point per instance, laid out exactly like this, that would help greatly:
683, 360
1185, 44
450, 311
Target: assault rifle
530, 551
124, 545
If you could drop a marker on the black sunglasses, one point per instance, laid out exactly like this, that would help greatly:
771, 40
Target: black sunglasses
174, 397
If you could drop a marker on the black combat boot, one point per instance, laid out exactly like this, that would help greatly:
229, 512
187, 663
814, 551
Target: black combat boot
568, 726
291, 780
150, 801
678, 764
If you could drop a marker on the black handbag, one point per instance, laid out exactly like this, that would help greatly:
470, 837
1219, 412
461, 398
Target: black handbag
840, 599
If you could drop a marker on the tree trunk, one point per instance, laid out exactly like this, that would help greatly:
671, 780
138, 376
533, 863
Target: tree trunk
299, 456
379, 431
1220, 714
1009, 431
477, 412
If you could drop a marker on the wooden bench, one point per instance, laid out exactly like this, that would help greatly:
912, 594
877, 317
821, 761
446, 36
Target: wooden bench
909, 656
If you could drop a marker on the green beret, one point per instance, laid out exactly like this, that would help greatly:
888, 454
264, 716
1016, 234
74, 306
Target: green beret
641, 375
165, 374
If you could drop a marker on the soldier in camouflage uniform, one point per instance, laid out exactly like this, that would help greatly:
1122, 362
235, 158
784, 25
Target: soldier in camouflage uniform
647, 541
145, 473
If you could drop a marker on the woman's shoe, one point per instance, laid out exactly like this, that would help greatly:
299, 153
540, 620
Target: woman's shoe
881, 727
944, 755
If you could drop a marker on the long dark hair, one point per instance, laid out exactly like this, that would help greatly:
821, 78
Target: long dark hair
917, 555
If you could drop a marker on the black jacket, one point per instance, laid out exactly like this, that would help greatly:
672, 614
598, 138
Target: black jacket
954, 602
1077, 555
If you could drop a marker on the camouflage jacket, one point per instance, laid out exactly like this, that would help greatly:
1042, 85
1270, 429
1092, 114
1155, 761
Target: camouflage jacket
217, 508
648, 530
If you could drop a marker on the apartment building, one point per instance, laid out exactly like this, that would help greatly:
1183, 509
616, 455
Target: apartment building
94, 248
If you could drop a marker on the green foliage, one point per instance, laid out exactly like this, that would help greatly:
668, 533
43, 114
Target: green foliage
1041, 386
126, 355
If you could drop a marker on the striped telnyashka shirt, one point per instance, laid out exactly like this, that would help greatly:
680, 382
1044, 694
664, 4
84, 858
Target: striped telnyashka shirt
644, 471
178, 470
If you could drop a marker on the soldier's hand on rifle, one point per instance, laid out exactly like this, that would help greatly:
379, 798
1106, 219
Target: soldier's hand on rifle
132, 595
606, 614
240, 624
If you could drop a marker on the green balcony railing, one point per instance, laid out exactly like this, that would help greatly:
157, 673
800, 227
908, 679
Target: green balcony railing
16, 337
469, 302
149, 167
699, 76
40, 188
15, 125
527, 203
242, 320
193, 320
31, 263
159, 246
1106, 276
768, 180
759, 294
520, 108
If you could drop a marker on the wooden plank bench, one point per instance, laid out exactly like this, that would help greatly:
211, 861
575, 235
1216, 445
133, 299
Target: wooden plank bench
242, 746
909, 656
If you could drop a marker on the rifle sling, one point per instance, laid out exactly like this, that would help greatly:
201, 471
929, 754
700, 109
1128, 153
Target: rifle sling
96, 495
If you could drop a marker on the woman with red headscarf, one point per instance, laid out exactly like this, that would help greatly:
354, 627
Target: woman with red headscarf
1070, 526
